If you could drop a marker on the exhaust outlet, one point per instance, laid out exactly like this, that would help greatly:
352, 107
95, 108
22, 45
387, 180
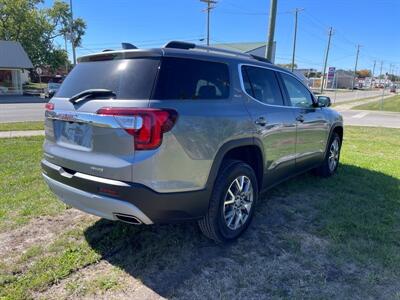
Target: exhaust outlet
128, 219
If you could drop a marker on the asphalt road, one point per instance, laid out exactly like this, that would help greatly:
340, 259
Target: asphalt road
20, 112
371, 118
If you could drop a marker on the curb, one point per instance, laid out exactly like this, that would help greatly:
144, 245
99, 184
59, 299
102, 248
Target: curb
12, 134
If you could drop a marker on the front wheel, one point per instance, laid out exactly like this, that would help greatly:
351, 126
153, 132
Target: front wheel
232, 202
331, 160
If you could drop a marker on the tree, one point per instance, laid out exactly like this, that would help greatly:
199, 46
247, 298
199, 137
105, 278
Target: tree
363, 73
36, 29
60, 18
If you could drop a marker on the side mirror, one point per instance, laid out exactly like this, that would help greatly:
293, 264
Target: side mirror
323, 101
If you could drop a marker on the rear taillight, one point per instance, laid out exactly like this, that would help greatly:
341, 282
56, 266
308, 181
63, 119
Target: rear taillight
147, 125
49, 106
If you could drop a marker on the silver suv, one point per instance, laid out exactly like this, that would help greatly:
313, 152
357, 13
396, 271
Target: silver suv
184, 132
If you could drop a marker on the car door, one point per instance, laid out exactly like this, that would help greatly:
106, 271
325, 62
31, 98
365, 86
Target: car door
275, 124
312, 126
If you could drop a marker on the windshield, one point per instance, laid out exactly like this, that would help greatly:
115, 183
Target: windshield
127, 78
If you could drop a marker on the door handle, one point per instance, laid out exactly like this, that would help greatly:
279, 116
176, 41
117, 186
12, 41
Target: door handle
261, 121
300, 118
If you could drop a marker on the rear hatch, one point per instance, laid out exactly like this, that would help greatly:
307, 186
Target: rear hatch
81, 135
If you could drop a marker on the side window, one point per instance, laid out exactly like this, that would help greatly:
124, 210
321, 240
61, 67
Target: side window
182, 78
262, 85
246, 82
204, 83
299, 95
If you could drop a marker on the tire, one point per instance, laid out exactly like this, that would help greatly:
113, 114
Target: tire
218, 224
331, 160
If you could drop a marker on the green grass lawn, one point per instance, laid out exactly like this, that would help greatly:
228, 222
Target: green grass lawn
352, 101
34, 86
389, 104
22, 126
362, 211
355, 214
23, 193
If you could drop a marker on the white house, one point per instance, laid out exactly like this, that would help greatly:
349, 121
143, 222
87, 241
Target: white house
14, 63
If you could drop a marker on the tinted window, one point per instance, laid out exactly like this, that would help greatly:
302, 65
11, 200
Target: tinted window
181, 78
262, 85
299, 95
246, 82
128, 78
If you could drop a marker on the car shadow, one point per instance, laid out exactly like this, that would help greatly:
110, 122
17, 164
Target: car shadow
287, 223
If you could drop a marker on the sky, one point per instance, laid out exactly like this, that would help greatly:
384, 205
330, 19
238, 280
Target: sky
151, 23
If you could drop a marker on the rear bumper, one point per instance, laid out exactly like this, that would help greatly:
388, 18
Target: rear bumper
107, 198
101, 206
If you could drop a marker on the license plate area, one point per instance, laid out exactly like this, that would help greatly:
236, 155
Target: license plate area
74, 134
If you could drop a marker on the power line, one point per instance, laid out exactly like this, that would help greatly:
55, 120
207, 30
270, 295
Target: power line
147, 41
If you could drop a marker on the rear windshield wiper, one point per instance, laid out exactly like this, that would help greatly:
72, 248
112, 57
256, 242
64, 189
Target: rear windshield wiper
90, 94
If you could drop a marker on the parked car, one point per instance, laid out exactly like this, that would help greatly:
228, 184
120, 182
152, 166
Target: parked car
183, 133
53, 85
393, 89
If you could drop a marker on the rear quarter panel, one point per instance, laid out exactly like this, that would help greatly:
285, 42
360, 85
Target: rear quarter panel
184, 160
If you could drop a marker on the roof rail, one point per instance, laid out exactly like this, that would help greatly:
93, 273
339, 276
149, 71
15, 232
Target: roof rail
188, 46
260, 58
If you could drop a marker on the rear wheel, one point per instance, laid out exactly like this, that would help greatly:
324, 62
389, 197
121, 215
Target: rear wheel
232, 202
331, 161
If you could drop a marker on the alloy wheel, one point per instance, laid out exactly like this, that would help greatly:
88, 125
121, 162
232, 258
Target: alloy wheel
333, 158
238, 202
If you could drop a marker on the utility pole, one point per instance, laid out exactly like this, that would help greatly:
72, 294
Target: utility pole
208, 9
66, 51
271, 29
72, 34
383, 90
373, 74
326, 59
296, 14
355, 67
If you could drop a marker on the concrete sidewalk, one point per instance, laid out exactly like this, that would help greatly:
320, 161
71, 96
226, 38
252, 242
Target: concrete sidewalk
12, 134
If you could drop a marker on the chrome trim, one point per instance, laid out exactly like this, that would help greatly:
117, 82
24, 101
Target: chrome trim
84, 176
81, 117
107, 121
100, 179
272, 69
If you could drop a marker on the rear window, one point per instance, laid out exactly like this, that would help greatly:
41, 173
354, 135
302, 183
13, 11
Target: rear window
127, 78
182, 78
